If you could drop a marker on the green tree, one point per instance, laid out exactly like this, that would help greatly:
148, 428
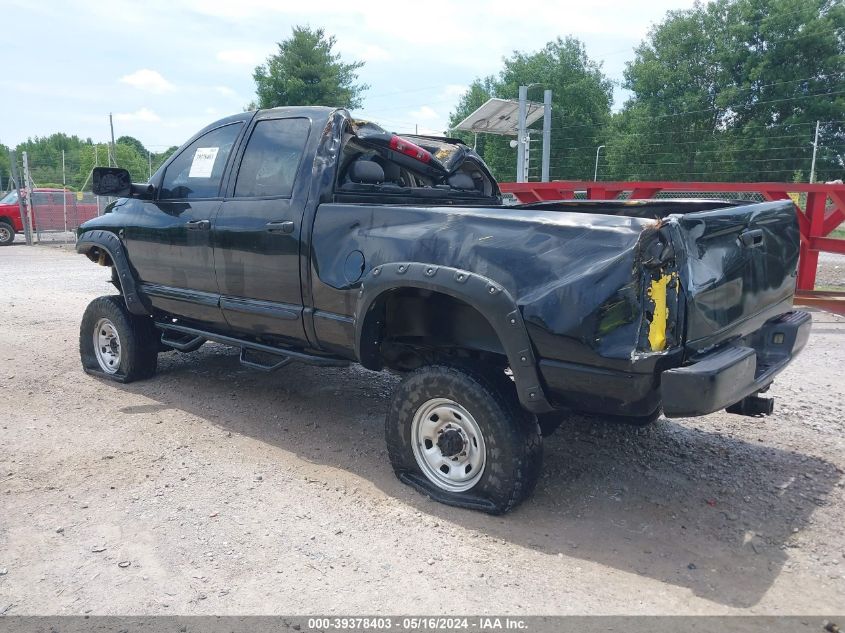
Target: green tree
133, 142
305, 71
731, 90
160, 158
581, 99
5, 170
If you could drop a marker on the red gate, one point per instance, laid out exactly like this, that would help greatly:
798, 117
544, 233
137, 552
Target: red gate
820, 209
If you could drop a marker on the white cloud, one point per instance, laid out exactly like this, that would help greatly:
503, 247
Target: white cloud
207, 48
425, 113
148, 81
454, 91
225, 91
359, 50
144, 115
239, 57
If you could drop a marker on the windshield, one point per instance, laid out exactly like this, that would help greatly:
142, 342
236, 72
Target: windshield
10, 198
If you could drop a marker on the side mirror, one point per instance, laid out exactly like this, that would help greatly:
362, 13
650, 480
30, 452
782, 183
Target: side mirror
111, 181
117, 183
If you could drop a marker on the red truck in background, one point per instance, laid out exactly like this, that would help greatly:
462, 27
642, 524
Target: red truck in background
48, 211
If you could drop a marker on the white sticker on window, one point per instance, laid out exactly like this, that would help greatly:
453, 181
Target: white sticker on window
203, 163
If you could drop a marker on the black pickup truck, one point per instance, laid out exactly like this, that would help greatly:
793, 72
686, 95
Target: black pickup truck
302, 234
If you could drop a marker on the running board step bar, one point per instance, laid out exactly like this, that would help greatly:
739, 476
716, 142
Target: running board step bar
263, 366
182, 342
284, 356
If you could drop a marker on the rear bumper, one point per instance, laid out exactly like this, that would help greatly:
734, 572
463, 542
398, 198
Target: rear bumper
729, 374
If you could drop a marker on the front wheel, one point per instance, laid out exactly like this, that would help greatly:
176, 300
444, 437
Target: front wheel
116, 344
7, 233
460, 436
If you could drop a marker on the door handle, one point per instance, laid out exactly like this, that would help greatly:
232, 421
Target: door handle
752, 238
198, 225
280, 227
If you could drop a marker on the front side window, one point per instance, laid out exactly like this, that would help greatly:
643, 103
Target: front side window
196, 172
271, 158
10, 198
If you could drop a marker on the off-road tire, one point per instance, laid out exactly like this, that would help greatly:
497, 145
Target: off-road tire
513, 445
7, 233
138, 340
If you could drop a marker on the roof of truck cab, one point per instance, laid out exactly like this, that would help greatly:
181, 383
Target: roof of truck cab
318, 114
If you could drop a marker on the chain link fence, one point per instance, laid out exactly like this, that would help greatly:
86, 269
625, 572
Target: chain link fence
56, 212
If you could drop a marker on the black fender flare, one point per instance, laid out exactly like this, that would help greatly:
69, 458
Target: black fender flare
111, 244
493, 301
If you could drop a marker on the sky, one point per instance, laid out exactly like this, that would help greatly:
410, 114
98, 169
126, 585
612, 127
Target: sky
165, 69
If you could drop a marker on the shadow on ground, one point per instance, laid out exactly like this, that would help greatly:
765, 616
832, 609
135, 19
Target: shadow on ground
692, 508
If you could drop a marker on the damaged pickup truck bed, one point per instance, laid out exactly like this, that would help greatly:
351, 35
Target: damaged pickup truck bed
301, 234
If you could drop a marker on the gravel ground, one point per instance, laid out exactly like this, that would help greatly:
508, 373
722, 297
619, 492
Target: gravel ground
831, 271
215, 489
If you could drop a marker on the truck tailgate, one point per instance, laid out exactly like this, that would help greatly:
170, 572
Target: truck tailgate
739, 269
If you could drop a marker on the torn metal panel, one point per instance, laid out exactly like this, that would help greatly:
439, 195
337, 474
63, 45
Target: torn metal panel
574, 277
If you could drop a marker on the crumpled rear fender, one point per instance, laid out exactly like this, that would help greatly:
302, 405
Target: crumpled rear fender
489, 298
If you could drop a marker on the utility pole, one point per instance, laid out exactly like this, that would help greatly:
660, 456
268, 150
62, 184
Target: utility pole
520, 135
150, 160
28, 183
96, 164
64, 193
13, 167
112, 152
815, 150
547, 133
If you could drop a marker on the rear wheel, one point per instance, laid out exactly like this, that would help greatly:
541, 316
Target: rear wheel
460, 436
7, 233
116, 344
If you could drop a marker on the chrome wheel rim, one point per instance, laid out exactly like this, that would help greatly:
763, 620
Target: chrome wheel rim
448, 445
5, 234
107, 346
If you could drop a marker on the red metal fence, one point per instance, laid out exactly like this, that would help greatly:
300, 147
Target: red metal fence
820, 209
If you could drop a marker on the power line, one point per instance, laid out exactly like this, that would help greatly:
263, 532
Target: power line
565, 153
728, 162
714, 109
720, 141
699, 141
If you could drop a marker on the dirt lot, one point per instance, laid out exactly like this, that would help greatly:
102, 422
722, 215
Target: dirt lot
216, 489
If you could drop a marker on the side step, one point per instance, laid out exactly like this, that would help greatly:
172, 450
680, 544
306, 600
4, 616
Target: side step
256, 361
182, 342
187, 336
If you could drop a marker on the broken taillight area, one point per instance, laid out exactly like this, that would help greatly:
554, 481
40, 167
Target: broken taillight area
399, 144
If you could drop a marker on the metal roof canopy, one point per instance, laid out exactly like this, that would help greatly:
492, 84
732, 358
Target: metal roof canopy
500, 116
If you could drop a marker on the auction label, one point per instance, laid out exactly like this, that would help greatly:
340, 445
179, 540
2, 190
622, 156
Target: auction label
203, 162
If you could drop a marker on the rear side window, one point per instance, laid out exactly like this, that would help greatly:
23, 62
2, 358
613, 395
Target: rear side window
41, 198
271, 158
196, 172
